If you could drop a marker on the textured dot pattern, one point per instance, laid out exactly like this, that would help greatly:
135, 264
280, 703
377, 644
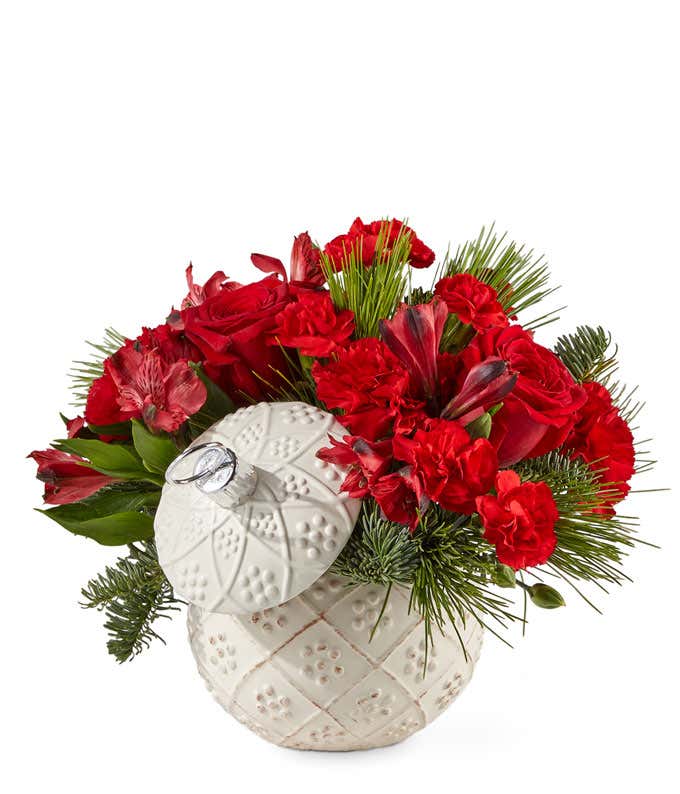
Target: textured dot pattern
291, 528
301, 675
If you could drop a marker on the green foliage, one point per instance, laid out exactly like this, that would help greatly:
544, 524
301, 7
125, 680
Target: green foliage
372, 293
113, 516
378, 551
83, 373
586, 353
216, 407
134, 593
156, 451
115, 460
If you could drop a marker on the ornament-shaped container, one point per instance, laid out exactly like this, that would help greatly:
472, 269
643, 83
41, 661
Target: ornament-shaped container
248, 525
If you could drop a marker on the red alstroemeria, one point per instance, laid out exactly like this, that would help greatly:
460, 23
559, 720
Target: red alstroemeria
485, 385
447, 465
398, 498
474, 302
67, 477
197, 293
363, 239
305, 264
140, 384
313, 325
413, 335
367, 462
519, 520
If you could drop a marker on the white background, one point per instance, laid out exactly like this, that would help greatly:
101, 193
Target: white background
137, 136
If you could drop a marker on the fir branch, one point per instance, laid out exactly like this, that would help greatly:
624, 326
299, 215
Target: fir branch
134, 593
372, 293
586, 353
84, 373
519, 276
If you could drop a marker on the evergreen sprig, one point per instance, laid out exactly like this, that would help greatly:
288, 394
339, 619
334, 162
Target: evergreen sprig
586, 353
372, 293
133, 593
84, 373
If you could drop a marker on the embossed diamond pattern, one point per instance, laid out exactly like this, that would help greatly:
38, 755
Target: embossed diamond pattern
299, 676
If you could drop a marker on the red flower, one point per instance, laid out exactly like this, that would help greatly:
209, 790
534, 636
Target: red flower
475, 302
447, 466
197, 294
398, 499
367, 462
305, 264
366, 381
363, 238
540, 412
413, 335
313, 326
486, 384
230, 329
139, 383
602, 438
519, 520
66, 478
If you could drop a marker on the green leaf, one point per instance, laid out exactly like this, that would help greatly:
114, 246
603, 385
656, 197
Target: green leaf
116, 529
116, 460
157, 452
545, 596
505, 576
216, 407
119, 429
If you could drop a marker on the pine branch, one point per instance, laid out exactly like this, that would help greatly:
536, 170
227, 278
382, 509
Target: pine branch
519, 276
84, 373
372, 293
586, 353
134, 593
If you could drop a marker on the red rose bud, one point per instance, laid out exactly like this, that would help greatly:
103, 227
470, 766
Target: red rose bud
485, 385
413, 335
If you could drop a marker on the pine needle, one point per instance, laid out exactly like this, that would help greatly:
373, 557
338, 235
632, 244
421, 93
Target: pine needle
84, 373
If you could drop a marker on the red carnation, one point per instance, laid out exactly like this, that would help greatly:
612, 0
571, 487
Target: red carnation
313, 326
519, 520
363, 238
541, 409
602, 438
67, 477
447, 466
474, 302
366, 381
230, 329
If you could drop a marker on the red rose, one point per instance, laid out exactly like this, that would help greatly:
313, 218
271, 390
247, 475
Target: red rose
519, 520
366, 381
602, 438
363, 237
230, 329
312, 325
474, 302
139, 383
447, 466
66, 478
541, 409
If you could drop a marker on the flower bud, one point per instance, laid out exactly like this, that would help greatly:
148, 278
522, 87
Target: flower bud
505, 576
486, 384
545, 596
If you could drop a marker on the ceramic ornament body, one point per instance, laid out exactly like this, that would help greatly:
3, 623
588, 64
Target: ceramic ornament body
279, 539
306, 674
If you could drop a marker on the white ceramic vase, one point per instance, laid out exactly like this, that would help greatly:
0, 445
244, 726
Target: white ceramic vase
306, 674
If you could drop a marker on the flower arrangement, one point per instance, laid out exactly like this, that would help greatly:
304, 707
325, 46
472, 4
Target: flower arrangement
484, 460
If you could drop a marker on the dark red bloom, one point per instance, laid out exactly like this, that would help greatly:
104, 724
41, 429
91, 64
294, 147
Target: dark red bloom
474, 302
485, 385
363, 238
413, 335
397, 497
519, 520
602, 438
305, 264
366, 381
313, 325
67, 477
540, 411
446, 465
231, 330
367, 462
